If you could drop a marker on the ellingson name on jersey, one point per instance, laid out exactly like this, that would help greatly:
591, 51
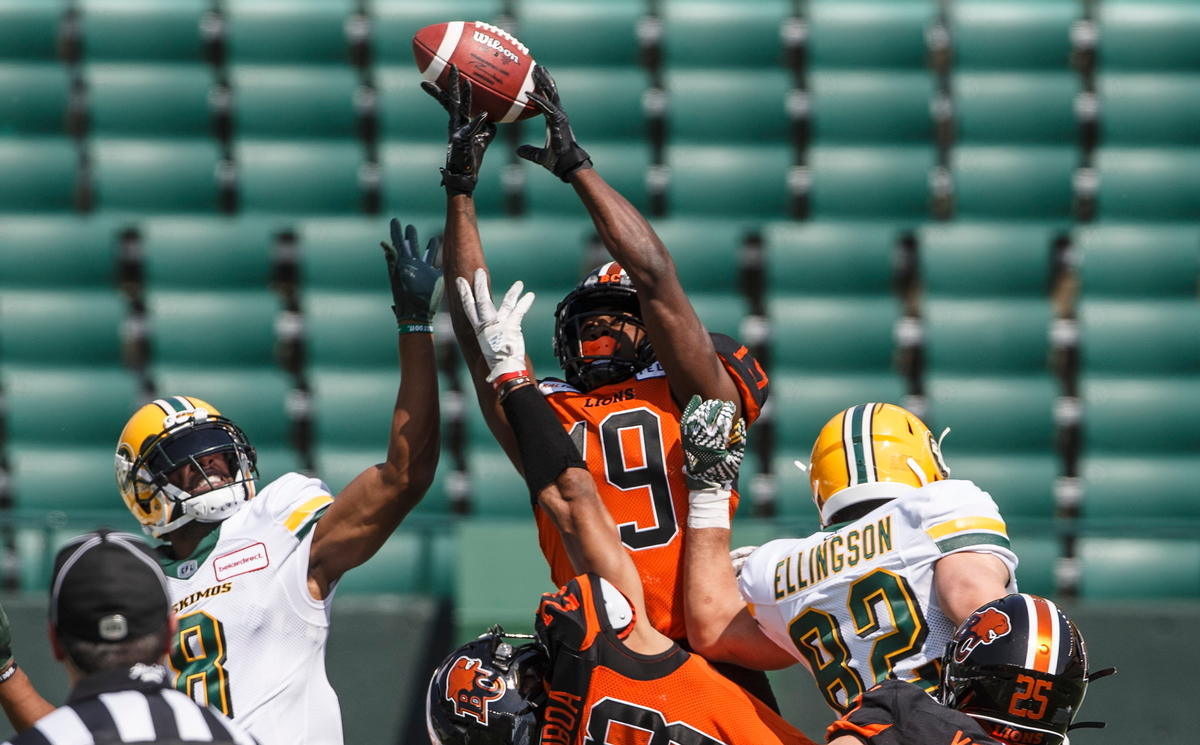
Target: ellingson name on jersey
841, 550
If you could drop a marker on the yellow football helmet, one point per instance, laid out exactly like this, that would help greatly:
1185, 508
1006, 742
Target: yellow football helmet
867, 444
169, 435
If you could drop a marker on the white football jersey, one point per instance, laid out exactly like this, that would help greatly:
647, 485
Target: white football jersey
251, 638
857, 601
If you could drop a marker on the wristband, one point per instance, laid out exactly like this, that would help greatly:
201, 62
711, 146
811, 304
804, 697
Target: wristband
414, 327
511, 385
11, 671
708, 508
505, 377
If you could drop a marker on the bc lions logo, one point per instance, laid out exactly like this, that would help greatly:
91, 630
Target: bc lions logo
983, 628
471, 688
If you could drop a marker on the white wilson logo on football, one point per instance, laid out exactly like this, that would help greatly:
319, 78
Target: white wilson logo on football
249, 559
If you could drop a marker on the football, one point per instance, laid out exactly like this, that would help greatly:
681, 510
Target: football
499, 67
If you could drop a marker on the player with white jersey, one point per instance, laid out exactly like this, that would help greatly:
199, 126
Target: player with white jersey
904, 555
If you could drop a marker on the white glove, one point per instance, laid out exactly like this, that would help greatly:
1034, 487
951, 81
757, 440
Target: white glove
738, 557
498, 330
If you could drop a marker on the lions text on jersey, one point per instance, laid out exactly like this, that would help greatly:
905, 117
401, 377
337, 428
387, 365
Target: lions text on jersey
251, 638
856, 601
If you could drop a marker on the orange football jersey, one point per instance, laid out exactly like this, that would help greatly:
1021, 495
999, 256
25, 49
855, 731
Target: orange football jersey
628, 434
600, 691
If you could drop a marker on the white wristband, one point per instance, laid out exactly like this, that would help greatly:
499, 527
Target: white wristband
708, 508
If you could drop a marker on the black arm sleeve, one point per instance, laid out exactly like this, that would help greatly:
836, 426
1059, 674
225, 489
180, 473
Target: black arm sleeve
546, 449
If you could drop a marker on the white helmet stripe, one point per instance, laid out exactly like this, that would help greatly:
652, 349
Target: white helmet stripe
868, 443
187, 405
1043, 639
848, 445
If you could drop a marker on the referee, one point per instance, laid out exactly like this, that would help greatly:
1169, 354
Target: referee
111, 625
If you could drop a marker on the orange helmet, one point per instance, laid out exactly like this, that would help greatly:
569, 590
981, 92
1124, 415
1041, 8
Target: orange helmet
866, 444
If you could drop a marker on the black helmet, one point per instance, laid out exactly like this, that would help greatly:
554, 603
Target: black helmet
1018, 665
487, 693
606, 290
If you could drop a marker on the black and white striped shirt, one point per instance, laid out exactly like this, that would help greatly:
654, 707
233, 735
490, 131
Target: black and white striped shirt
132, 705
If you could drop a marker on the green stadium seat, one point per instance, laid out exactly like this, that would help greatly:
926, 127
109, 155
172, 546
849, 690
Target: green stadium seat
546, 253
394, 22
257, 399
1148, 184
846, 258
752, 106
1140, 338
993, 415
145, 176
1025, 34
337, 467
221, 253
33, 99
342, 253
551, 28
869, 182
39, 537
1139, 568
1167, 492
874, 106
149, 100
605, 103
29, 29
142, 30
495, 487
624, 165
70, 406
212, 329
82, 477
999, 336
398, 567
1037, 555
975, 260
319, 102
61, 328
882, 34
509, 596
288, 31
747, 181
1149, 109
38, 175
721, 313
1155, 416
351, 329
1030, 183
410, 176
405, 115
1149, 35
832, 333
1148, 261
795, 512
801, 403
57, 252
1017, 108
352, 409
707, 253
747, 34
295, 177
1021, 483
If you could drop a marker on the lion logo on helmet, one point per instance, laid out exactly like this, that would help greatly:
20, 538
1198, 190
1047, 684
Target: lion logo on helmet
471, 688
984, 627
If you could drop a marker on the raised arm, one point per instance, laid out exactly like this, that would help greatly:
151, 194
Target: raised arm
371, 506
719, 623
680, 341
22, 704
966, 580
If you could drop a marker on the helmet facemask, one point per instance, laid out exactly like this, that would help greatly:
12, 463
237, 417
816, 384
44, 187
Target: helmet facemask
591, 327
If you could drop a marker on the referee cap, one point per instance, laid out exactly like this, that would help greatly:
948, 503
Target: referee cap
107, 587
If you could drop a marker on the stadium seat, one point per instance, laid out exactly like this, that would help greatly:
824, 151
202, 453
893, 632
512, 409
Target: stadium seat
1149, 35
483, 597
802, 402
315, 102
398, 567
351, 329
1017, 108
342, 253
1149, 109
975, 260
255, 398
57, 252
33, 99
624, 164
405, 115
993, 415
1166, 490
142, 30
495, 487
1154, 416
854, 107
212, 329
82, 477
721, 313
605, 104
149, 100
217, 253
1024, 34
707, 253
29, 29
394, 22
1148, 184
1140, 338
1139, 568
155, 176
38, 175
1038, 555
61, 328
880, 34
1021, 483
752, 106
832, 334
545, 253
1029, 183
999, 336
410, 177
869, 182
736, 181
745, 34
846, 258
1138, 261
550, 28
288, 31
295, 177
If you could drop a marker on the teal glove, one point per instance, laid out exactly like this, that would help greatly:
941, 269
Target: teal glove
416, 283
713, 444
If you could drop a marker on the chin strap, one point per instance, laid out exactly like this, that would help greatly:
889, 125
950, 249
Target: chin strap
916, 469
1097, 675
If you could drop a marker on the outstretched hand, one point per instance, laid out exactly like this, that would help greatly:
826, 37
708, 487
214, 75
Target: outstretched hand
713, 443
468, 136
561, 155
498, 330
417, 282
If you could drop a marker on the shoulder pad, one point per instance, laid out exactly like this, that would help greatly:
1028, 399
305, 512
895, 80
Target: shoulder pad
296, 501
747, 374
550, 386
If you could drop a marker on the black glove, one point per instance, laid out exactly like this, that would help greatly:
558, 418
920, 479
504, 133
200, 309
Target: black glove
562, 155
469, 137
416, 283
